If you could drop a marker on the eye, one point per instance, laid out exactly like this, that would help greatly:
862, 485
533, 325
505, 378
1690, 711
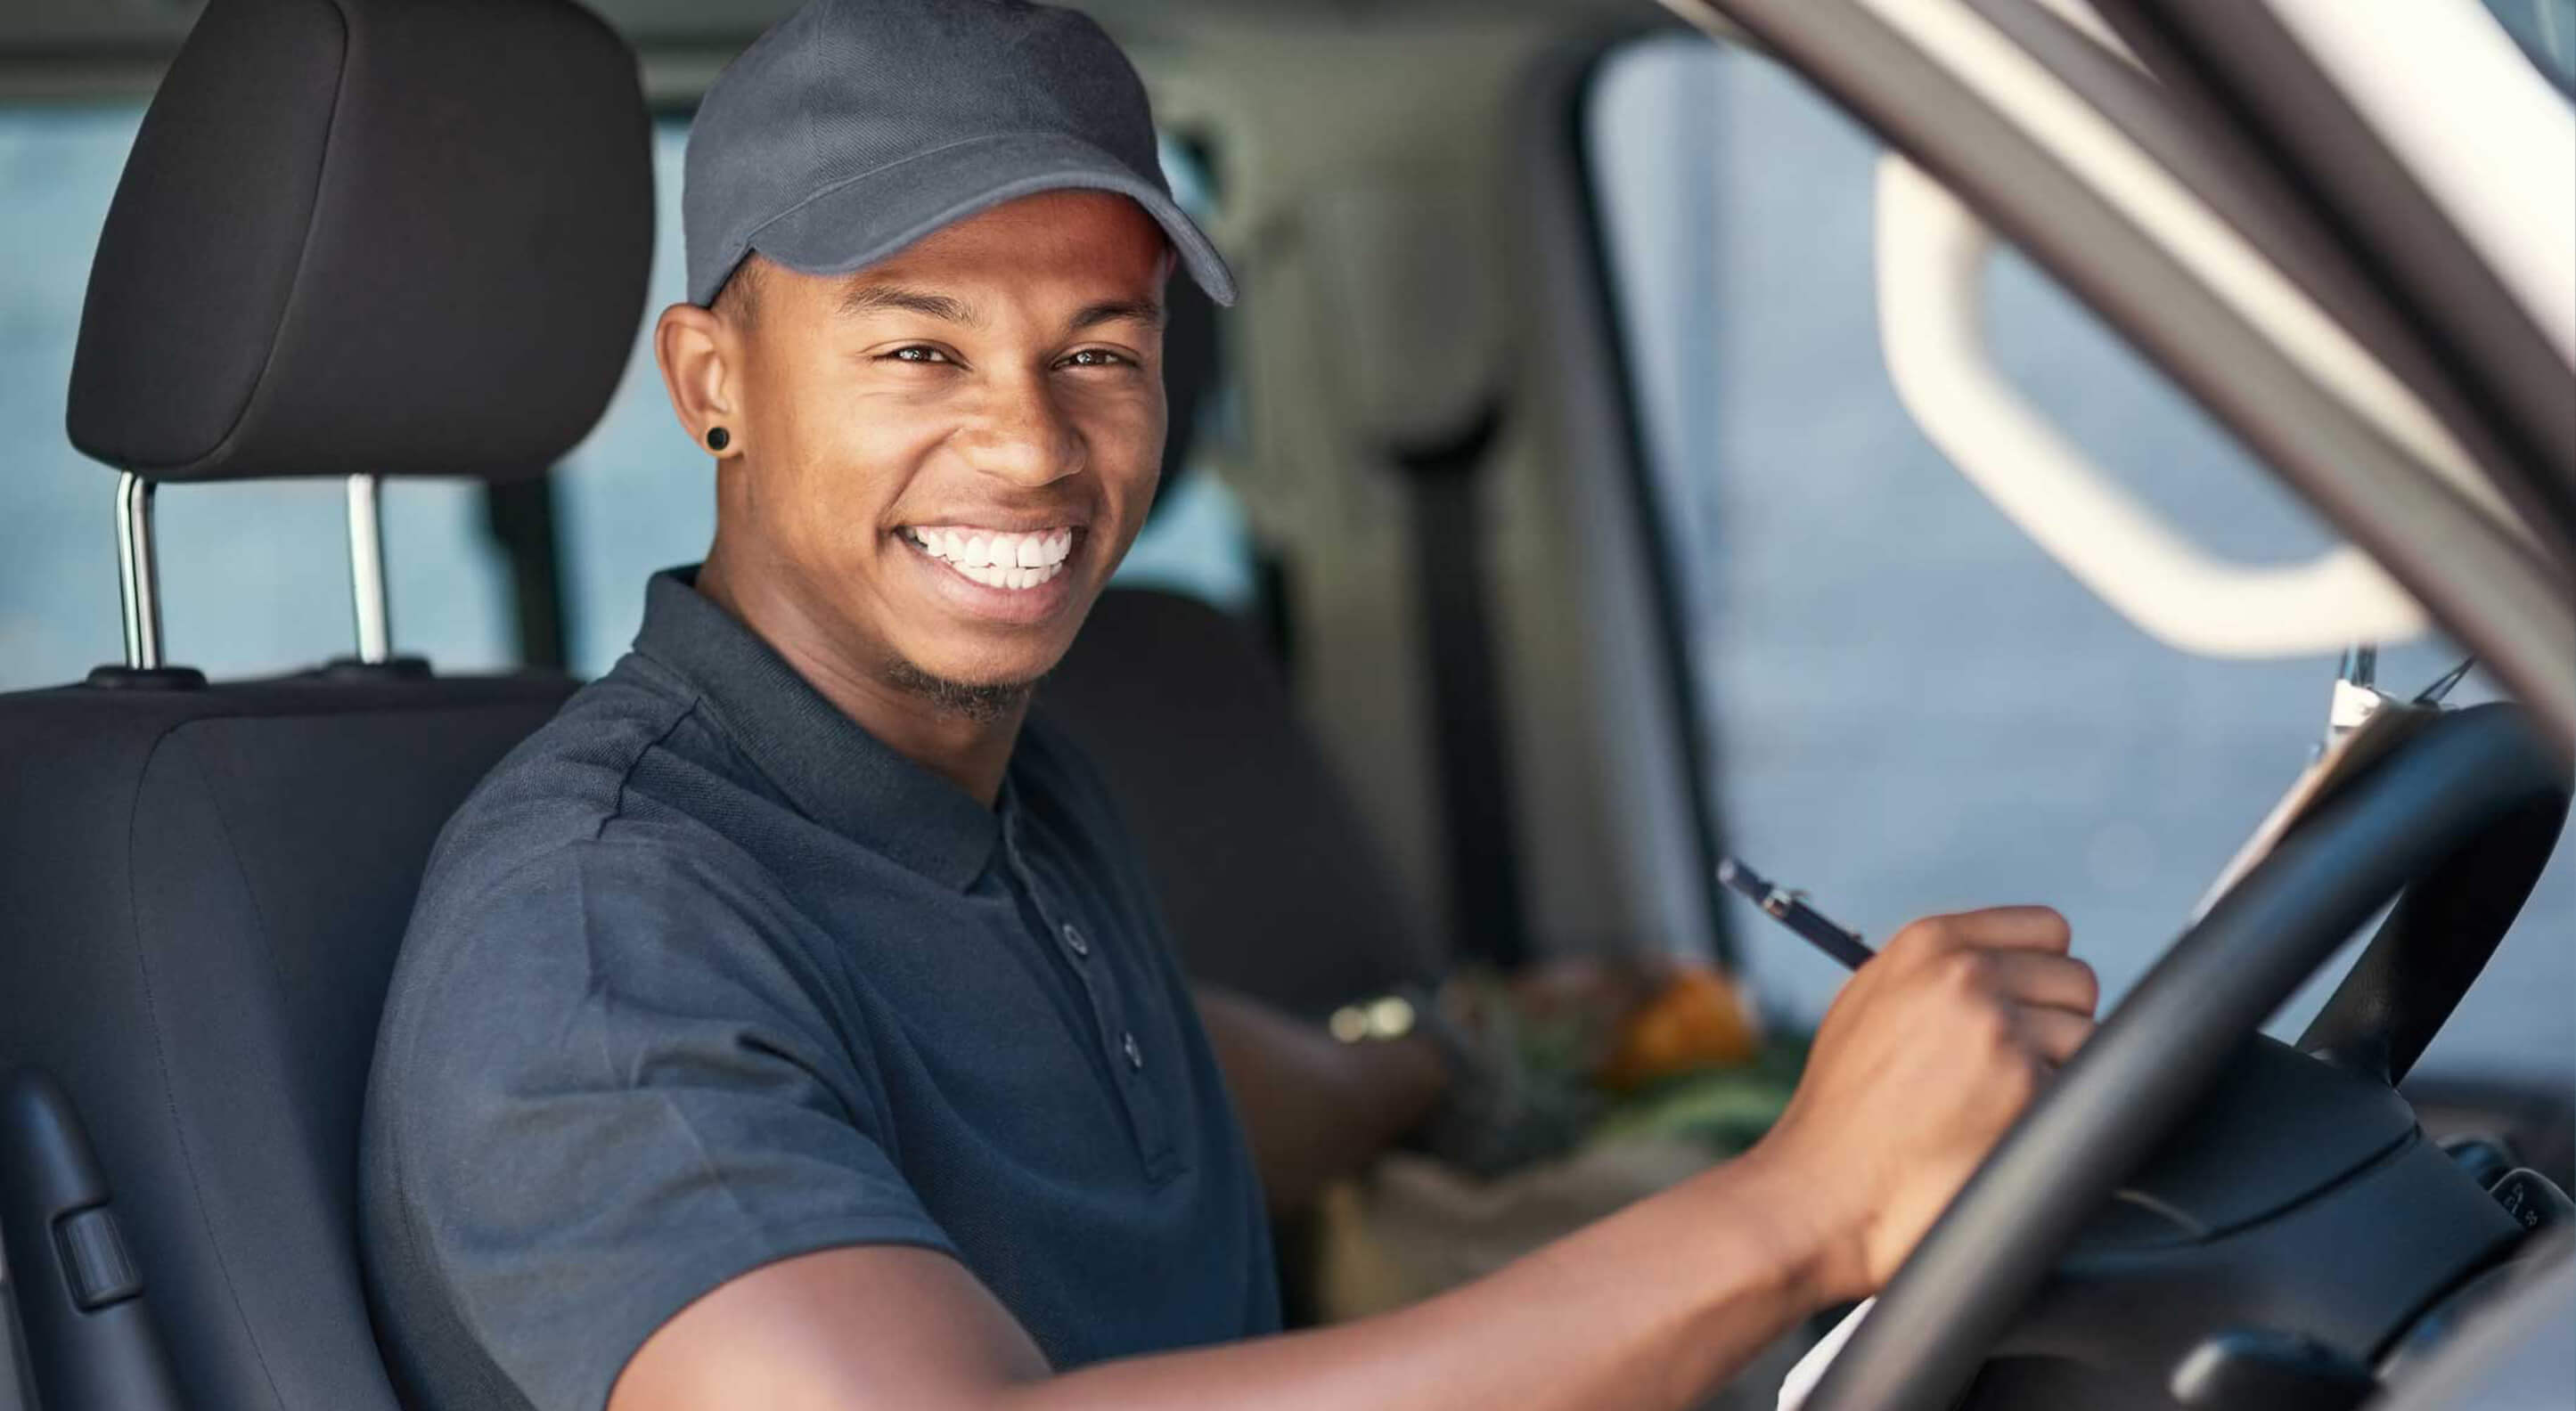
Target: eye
1097, 357
916, 353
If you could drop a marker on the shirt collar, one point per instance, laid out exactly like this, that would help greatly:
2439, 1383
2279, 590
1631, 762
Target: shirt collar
831, 769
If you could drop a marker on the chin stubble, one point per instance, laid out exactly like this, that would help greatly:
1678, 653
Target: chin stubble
982, 705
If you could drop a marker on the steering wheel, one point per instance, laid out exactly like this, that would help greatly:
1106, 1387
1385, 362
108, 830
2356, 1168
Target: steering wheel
2460, 818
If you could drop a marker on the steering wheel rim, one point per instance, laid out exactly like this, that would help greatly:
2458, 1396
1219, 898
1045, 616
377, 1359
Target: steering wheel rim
2463, 776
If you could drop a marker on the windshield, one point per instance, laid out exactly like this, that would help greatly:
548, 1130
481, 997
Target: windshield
1907, 705
2546, 30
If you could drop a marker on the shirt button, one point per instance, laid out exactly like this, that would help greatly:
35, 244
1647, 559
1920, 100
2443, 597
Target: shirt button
1073, 940
1135, 1053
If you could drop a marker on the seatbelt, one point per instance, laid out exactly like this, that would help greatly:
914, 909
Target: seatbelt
1474, 765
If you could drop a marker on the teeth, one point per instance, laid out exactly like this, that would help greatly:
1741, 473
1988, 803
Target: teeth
1010, 553
1010, 561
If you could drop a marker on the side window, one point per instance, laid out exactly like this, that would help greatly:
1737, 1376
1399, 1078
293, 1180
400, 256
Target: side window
1199, 539
636, 495
1909, 707
254, 576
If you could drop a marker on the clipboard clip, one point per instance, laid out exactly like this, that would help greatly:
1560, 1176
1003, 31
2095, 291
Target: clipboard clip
2357, 696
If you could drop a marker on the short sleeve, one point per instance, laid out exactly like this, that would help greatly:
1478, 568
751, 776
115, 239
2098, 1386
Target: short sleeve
608, 1085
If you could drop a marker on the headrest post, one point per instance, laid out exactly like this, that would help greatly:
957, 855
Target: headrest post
139, 572
367, 571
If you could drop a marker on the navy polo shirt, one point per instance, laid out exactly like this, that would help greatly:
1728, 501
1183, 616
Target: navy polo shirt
704, 976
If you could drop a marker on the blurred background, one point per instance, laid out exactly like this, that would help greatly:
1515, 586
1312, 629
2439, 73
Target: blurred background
1904, 705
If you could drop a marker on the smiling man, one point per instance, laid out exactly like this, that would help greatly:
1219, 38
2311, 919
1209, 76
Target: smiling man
788, 1024
928, 468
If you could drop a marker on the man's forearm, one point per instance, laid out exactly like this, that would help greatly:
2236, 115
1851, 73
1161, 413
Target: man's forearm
1919, 1067
1314, 1109
1647, 1309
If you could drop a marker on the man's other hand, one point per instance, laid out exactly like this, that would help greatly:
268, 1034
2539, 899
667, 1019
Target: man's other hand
1925, 1058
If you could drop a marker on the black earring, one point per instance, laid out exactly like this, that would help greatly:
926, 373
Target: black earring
718, 438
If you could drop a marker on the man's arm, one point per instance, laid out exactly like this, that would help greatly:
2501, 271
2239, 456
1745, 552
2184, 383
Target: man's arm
1642, 1309
1926, 1057
1315, 1109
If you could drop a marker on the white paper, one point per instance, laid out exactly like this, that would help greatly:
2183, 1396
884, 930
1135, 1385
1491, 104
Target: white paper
1802, 1379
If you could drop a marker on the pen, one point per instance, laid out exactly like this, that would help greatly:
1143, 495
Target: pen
1790, 909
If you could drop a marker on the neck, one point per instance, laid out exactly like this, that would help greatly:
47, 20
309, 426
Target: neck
969, 751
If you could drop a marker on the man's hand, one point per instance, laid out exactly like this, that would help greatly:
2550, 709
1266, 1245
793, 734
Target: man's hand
1924, 1059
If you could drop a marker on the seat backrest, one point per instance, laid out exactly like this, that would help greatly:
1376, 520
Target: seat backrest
354, 236
203, 891
1267, 871
1268, 874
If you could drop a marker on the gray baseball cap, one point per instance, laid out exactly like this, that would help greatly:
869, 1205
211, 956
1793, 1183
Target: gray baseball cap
855, 127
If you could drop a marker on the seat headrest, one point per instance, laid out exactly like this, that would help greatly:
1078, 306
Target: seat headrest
394, 237
1193, 370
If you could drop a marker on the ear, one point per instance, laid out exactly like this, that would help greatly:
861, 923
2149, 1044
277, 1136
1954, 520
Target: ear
700, 356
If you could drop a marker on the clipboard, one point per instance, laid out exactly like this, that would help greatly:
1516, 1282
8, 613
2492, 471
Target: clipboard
2389, 723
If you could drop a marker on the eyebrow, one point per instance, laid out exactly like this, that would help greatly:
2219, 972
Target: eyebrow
1144, 311
863, 299
882, 298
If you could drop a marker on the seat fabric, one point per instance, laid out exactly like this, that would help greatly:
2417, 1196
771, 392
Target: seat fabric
201, 894
1273, 885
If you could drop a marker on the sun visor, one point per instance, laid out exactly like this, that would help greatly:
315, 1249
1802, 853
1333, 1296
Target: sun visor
386, 237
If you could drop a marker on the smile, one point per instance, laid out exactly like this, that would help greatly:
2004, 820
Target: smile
995, 558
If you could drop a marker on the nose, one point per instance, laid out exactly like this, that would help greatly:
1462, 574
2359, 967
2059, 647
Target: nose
1021, 435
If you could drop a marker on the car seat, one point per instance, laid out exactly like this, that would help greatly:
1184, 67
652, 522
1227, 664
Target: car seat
354, 238
1268, 875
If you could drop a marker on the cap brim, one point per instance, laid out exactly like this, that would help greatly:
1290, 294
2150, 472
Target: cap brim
868, 218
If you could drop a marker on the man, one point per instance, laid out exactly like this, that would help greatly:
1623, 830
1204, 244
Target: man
786, 1026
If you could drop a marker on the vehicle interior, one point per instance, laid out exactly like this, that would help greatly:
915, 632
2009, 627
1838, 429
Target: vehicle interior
1943, 452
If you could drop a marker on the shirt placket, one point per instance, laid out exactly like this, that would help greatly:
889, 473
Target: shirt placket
1083, 953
